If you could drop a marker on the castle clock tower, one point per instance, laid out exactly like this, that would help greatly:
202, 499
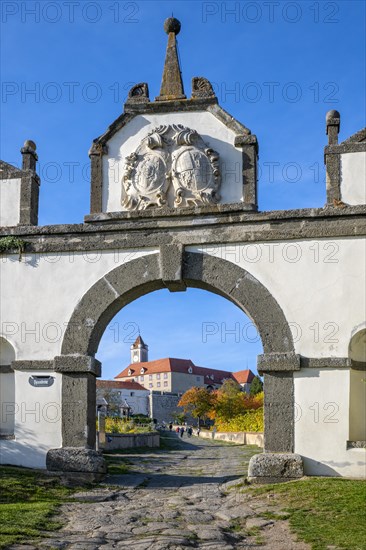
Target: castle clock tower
139, 351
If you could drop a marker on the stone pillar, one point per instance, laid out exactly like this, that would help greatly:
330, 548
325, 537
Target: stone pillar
29, 188
96, 153
278, 462
249, 147
332, 158
78, 407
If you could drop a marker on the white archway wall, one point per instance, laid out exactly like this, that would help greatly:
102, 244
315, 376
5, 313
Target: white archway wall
316, 300
53, 285
300, 288
313, 282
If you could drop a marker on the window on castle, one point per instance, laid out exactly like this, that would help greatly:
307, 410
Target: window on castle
158, 376
165, 384
165, 375
141, 378
158, 384
150, 385
150, 376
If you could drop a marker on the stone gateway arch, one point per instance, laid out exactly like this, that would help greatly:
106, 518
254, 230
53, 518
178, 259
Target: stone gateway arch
174, 205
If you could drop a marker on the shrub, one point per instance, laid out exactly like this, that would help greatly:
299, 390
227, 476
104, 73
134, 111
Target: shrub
250, 421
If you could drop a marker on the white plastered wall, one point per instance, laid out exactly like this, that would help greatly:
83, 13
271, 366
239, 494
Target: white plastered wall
316, 284
322, 424
213, 132
34, 322
353, 170
9, 202
324, 303
37, 421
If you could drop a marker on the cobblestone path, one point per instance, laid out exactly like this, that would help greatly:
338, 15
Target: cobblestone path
185, 496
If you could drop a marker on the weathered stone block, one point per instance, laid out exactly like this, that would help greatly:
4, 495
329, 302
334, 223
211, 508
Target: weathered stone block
275, 467
75, 459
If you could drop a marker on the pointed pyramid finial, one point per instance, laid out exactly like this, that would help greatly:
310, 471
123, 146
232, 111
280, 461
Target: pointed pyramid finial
171, 84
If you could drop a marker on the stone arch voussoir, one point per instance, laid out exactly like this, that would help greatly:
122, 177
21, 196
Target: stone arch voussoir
138, 277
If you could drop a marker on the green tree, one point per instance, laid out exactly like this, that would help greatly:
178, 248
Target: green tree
256, 386
179, 418
197, 402
229, 401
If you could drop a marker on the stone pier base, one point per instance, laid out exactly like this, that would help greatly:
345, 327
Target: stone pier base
275, 467
76, 463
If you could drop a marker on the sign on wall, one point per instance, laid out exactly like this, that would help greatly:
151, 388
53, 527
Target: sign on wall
41, 381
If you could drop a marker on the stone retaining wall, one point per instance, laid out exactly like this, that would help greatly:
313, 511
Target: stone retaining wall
129, 441
240, 438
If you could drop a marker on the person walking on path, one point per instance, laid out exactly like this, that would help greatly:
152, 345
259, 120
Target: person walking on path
181, 431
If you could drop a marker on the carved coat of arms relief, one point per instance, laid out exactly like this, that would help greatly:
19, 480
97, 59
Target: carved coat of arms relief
171, 167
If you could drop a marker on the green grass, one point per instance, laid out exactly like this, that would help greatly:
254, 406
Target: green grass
28, 500
323, 511
117, 465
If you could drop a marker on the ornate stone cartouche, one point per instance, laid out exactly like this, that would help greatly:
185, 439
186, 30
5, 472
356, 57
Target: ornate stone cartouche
172, 167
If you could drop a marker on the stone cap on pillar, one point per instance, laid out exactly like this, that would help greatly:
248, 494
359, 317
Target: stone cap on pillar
278, 362
77, 364
333, 124
29, 155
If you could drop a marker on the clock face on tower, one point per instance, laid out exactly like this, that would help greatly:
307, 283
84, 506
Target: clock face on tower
135, 358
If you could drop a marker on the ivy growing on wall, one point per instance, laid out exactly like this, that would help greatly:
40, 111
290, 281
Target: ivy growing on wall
11, 244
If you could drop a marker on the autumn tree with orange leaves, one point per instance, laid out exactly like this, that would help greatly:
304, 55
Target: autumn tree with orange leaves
198, 402
221, 405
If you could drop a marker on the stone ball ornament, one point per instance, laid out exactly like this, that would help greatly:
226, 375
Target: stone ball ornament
172, 25
332, 115
29, 144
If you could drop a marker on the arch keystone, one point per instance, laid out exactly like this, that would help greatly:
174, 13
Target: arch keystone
171, 267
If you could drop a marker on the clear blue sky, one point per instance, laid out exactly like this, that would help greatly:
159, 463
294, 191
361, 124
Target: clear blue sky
278, 67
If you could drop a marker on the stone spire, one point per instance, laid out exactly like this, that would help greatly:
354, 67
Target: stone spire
171, 84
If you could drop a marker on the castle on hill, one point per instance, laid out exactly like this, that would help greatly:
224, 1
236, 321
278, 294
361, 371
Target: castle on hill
152, 387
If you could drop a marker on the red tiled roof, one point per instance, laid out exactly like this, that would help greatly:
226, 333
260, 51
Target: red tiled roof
119, 384
244, 376
170, 364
